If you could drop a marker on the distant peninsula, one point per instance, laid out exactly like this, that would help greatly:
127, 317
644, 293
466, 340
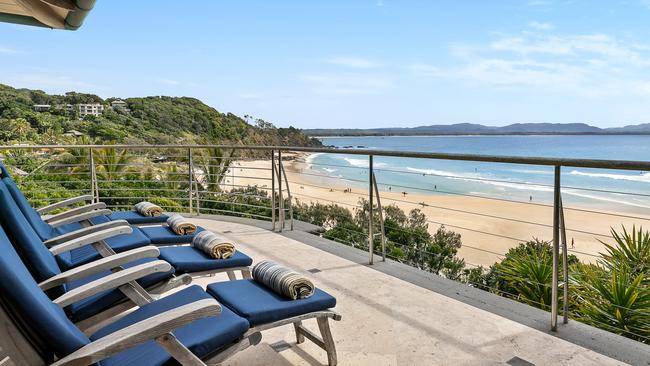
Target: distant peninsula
478, 129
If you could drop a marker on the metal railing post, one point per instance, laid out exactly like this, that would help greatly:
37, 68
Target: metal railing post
281, 200
381, 218
190, 174
370, 204
286, 182
556, 246
94, 189
565, 266
273, 188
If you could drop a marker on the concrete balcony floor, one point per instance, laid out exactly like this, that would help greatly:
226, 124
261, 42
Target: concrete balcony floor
389, 321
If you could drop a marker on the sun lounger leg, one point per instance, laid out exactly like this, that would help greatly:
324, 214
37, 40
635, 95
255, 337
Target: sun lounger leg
175, 348
246, 273
252, 339
325, 341
299, 337
231, 275
328, 340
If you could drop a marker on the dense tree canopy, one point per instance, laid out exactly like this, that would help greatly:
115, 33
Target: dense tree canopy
152, 120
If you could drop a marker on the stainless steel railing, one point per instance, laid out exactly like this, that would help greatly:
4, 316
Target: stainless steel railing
191, 178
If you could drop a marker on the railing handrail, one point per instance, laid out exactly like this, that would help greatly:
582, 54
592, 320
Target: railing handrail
576, 163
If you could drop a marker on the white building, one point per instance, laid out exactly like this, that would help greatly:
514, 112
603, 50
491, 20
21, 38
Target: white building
41, 107
120, 105
94, 109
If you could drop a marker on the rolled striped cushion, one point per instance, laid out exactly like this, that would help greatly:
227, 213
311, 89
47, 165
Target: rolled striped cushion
216, 246
180, 225
283, 280
148, 209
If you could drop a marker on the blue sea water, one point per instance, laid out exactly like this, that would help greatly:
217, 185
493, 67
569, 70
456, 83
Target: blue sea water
612, 190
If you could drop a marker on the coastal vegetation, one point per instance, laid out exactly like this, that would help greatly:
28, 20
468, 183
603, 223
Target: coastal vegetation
149, 120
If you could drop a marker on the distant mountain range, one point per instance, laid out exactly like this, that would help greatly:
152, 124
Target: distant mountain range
477, 129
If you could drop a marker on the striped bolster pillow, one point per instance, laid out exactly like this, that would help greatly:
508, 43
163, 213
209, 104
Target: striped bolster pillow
283, 280
180, 225
148, 209
214, 245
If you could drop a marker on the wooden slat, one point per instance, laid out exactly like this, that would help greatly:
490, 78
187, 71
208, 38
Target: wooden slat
44, 13
11, 7
63, 4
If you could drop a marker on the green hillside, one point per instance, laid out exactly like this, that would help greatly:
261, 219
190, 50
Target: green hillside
152, 120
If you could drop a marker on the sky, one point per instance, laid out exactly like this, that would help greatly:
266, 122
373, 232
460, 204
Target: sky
356, 63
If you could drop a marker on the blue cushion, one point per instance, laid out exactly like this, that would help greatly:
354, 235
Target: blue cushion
165, 235
188, 259
202, 336
134, 218
260, 305
43, 229
99, 302
35, 310
76, 226
87, 254
37, 257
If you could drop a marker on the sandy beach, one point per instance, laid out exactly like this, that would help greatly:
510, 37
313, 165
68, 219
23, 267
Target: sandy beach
488, 227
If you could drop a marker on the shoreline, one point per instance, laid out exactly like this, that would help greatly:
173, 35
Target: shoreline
488, 227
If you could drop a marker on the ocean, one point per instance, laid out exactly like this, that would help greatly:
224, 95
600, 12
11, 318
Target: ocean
610, 190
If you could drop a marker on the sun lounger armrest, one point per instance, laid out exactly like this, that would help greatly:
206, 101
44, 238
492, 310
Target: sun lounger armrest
81, 217
76, 211
64, 204
90, 238
112, 281
156, 327
84, 231
100, 265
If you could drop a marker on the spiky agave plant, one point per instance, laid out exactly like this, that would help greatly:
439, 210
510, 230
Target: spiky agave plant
614, 294
529, 271
615, 300
631, 251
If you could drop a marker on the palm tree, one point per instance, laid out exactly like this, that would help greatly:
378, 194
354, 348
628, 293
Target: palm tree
214, 165
110, 162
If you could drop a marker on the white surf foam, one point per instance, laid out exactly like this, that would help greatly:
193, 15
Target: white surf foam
644, 178
363, 163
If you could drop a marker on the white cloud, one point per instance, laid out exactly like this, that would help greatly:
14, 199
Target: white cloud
352, 62
347, 84
169, 81
9, 51
541, 26
426, 70
250, 96
539, 3
610, 49
592, 65
47, 80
